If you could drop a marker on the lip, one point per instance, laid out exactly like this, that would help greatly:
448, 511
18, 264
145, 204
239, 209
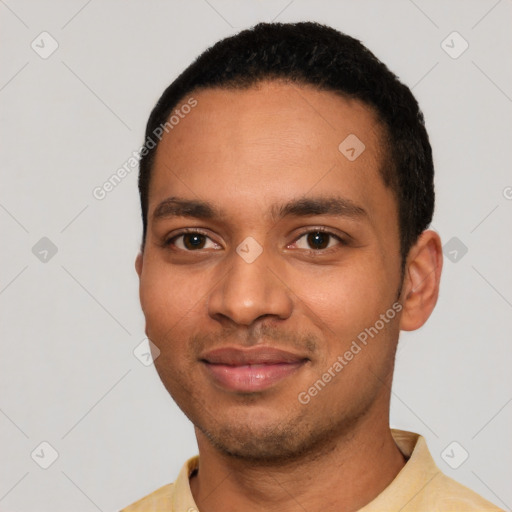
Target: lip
250, 369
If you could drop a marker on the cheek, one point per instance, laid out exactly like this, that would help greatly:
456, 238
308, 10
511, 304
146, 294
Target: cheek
168, 297
359, 345
346, 299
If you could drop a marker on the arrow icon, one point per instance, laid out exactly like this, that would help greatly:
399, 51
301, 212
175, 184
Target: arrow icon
44, 45
454, 455
454, 45
44, 455
249, 249
351, 147
146, 352
44, 250
454, 249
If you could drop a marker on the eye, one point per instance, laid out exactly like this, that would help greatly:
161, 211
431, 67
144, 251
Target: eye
318, 240
191, 241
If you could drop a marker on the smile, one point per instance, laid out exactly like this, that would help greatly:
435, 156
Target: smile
252, 369
251, 377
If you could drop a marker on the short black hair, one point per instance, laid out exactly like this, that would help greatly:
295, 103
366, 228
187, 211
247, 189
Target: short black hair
309, 53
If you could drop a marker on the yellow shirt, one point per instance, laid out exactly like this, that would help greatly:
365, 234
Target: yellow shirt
420, 487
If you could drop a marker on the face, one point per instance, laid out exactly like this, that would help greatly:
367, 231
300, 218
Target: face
270, 269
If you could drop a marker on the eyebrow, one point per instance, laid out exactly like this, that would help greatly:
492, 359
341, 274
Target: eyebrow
178, 207
309, 206
301, 207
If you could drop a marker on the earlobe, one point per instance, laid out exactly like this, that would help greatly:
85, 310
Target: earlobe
422, 278
138, 263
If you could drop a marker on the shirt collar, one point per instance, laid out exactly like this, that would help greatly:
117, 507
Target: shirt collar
419, 470
417, 473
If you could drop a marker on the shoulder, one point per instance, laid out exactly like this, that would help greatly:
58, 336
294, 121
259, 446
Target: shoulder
448, 495
161, 499
175, 496
421, 486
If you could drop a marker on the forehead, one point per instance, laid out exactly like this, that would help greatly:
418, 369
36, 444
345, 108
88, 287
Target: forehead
297, 113
269, 141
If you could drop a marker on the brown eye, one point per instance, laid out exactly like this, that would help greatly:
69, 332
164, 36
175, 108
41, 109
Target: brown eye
191, 241
318, 240
194, 241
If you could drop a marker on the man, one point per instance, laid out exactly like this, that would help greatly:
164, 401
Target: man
286, 188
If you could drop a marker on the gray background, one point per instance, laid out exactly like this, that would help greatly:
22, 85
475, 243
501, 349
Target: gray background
70, 321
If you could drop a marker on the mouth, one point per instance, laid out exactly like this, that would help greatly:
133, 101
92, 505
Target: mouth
250, 370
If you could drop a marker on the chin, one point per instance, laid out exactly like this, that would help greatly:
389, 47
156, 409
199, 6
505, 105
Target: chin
267, 448
270, 444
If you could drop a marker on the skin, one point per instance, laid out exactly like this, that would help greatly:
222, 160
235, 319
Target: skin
244, 151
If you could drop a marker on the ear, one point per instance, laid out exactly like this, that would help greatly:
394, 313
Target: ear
138, 263
421, 282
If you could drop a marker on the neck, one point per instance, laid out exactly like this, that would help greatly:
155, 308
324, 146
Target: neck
346, 475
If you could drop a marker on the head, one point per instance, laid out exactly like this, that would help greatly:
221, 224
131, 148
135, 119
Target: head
286, 187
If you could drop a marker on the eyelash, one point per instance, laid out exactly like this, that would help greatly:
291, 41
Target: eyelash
168, 242
325, 231
342, 242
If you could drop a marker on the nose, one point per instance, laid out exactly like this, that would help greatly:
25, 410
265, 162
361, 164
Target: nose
250, 290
